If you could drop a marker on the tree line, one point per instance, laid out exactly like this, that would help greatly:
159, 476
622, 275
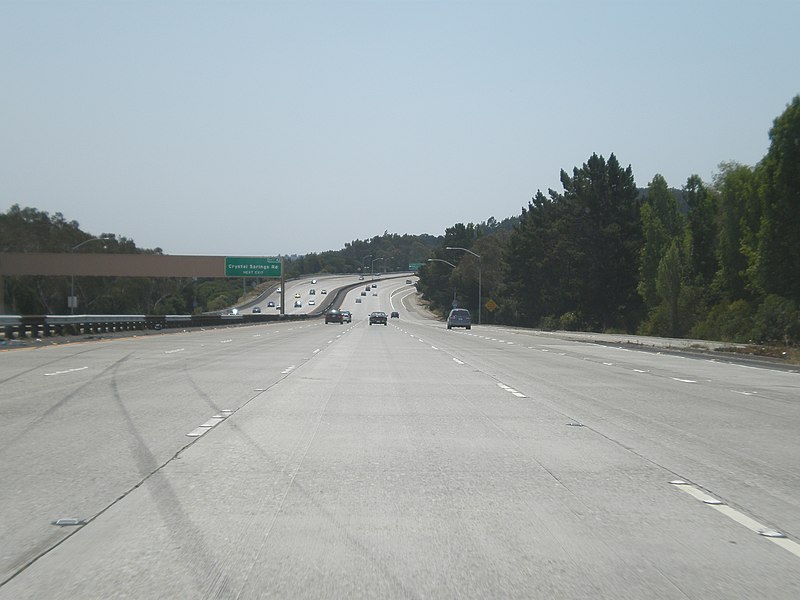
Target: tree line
712, 260
718, 260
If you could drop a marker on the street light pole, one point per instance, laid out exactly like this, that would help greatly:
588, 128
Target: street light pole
362, 262
72, 282
372, 266
479, 276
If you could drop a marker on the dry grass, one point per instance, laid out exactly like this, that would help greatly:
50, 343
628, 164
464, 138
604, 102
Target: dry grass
790, 354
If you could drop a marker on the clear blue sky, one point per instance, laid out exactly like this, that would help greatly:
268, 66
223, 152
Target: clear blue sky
259, 128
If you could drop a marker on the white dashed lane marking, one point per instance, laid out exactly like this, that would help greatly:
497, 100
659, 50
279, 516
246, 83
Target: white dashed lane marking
64, 372
210, 424
511, 390
768, 533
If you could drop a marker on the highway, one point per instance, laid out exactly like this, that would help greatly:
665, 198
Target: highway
303, 287
304, 460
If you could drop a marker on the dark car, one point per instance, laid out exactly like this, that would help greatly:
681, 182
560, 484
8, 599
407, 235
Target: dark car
377, 318
459, 317
256, 309
270, 304
347, 317
363, 293
333, 316
395, 315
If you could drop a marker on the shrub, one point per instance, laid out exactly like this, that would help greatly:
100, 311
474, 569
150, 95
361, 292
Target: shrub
548, 323
727, 321
569, 321
777, 320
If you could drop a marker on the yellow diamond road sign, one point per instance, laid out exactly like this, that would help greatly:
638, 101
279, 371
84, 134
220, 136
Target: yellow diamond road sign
490, 305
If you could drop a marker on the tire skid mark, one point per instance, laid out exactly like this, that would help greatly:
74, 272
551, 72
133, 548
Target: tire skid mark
63, 401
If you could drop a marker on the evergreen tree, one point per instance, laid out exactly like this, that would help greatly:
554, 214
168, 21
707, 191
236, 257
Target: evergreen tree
775, 261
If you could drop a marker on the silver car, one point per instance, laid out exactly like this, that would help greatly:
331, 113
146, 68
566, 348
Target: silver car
459, 317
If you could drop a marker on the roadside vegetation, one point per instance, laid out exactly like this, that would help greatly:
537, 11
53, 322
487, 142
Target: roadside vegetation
716, 260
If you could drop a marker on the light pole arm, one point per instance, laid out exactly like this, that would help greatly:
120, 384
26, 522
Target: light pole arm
440, 260
464, 249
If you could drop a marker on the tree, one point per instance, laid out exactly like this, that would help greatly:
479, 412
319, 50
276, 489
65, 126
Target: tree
737, 188
668, 283
702, 230
602, 215
661, 225
775, 260
577, 252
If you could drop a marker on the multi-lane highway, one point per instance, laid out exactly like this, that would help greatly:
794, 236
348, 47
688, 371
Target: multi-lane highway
295, 460
310, 292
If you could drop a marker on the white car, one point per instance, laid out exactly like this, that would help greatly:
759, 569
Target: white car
311, 302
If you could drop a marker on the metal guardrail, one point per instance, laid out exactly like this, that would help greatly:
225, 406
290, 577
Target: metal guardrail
40, 326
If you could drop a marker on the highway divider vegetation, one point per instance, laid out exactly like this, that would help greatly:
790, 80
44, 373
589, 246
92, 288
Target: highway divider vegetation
713, 260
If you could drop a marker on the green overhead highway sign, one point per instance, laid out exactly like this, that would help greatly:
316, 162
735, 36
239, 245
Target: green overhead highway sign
414, 266
252, 266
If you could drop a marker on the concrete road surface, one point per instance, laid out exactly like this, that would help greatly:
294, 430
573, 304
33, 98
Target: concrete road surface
408, 461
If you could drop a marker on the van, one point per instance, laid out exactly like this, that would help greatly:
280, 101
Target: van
459, 317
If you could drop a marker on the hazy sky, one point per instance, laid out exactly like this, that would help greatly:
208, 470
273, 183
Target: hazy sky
263, 128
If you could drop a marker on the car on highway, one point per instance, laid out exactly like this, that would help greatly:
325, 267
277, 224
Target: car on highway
323, 291
374, 285
298, 304
270, 304
312, 302
374, 293
408, 281
377, 318
297, 294
256, 309
312, 292
459, 317
395, 315
363, 293
313, 281
333, 316
361, 278
366, 289
347, 317
358, 300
